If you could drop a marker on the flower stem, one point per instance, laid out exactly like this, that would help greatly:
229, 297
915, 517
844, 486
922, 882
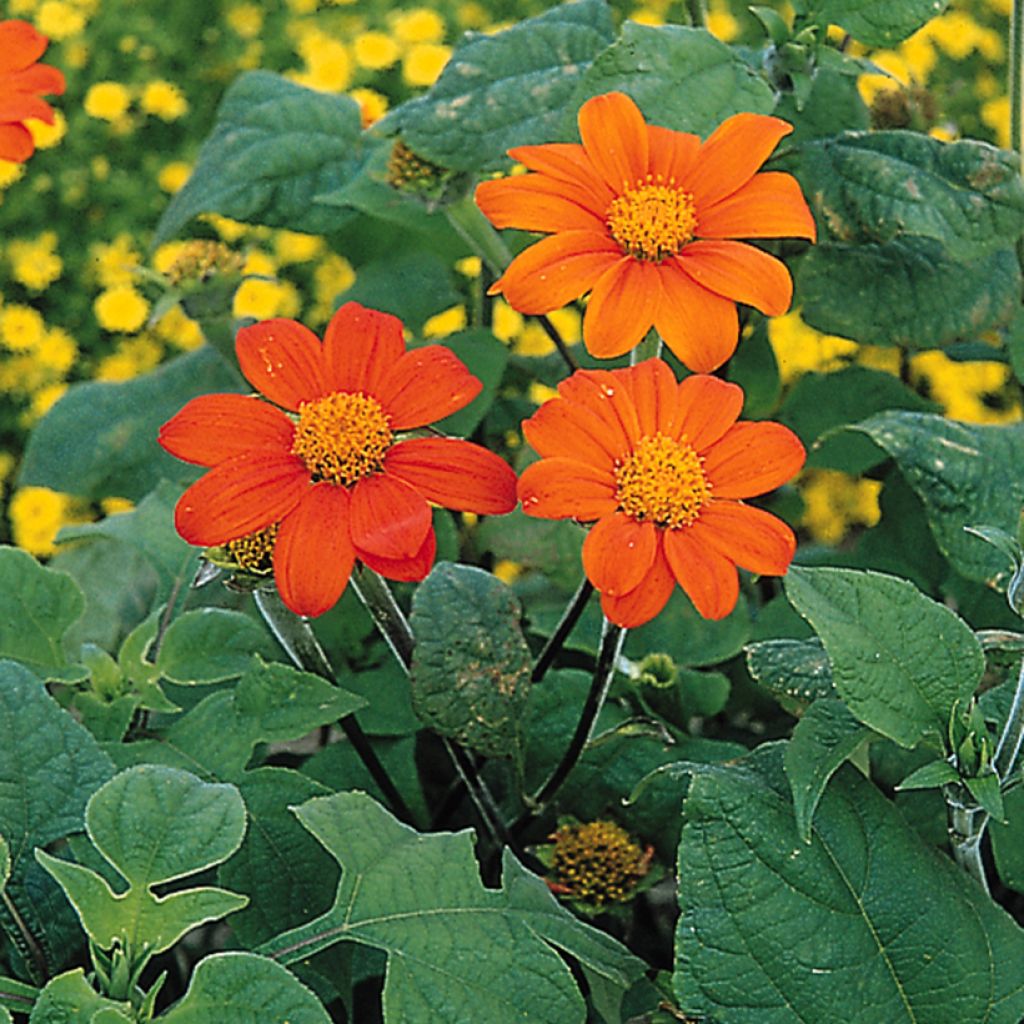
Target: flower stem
563, 350
698, 12
296, 636
478, 233
1016, 83
571, 615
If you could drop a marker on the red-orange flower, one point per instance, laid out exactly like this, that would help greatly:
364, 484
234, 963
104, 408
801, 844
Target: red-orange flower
333, 469
644, 219
661, 469
23, 83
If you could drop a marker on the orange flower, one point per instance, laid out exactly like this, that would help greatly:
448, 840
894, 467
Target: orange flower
335, 473
660, 468
22, 84
642, 218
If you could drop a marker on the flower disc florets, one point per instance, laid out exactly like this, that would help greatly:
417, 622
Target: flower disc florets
653, 220
597, 862
662, 482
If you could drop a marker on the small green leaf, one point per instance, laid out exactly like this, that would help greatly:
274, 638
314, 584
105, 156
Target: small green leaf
681, 78
985, 789
930, 776
210, 645
550, 545
486, 358
900, 661
274, 148
470, 666
506, 89
797, 669
154, 825
879, 22
16, 996
70, 999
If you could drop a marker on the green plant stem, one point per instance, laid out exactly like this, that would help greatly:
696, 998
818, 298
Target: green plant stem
1008, 748
571, 615
1016, 72
299, 641
563, 350
478, 233
33, 947
698, 12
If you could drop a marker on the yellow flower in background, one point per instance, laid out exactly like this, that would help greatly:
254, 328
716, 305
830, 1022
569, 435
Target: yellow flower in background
424, 62
372, 105
375, 50
723, 25
107, 101
447, 322
472, 15
228, 229
996, 114
116, 506
57, 350
34, 261
131, 357
506, 323
245, 20
800, 349
46, 136
265, 299
10, 172
328, 64
114, 263
121, 309
507, 571
332, 276
418, 25
21, 327
645, 16
59, 20
179, 330
42, 402
834, 502
164, 100
469, 266
974, 392
898, 75
296, 247
37, 514
172, 176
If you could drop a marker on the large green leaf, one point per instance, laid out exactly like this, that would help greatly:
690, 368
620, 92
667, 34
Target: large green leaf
681, 78
1008, 840
866, 924
486, 358
275, 147
794, 669
900, 661
470, 666
963, 474
505, 89
457, 951
70, 999
879, 22
99, 440
154, 825
909, 292
878, 186
37, 606
210, 645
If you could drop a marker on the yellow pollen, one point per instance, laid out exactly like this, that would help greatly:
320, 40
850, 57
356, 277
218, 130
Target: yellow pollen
662, 482
342, 437
253, 551
652, 221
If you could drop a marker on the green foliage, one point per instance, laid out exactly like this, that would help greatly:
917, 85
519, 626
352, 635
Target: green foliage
878, 22
210, 645
796, 669
69, 998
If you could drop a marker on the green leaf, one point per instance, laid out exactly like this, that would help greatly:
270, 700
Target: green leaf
960, 473
1008, 840
210, 645
70, 999
154, 825
16, 996
470, 667
878, 186
37, 606
985, 789
797, 669
242, 988
879, 22
549, 545
834, 104
498, 961
681, 78
900, 661
823, 739
275, 147
507, 89
908, 292
930, 776
910, 938
486, 358
756, 370
99, 440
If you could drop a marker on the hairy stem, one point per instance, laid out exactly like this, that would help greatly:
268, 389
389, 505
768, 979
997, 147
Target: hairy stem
1016, 72
555, 335
478, 233
571, 615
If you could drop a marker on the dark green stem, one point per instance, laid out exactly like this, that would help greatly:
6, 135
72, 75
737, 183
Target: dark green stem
478, 233
296, 636
563, 350
571, 615
1016, 72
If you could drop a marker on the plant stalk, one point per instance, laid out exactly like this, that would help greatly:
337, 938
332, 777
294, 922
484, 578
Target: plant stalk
478, 233
571, 615
1016, 73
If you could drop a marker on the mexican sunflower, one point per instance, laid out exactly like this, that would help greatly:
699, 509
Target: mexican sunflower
644, 218
661, 470
23, 83
325, 469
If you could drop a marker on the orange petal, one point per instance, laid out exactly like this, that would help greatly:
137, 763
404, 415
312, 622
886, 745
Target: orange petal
239, 496
753, 458
740, 272
708, 407
21, 44
644, 601
618, 553
700, 327
39, 78
652, 387
621, 308
601, 393
614, 136
534, 202
389, 518
709, 578
748, 536
283, 360
360, 347
673, 154
404, 569
561, 427
567, 162
426, 385
770, 205
16, 143
212, 428
556, 270
313, 553
455, 474
733, 154
566, 489
17, 106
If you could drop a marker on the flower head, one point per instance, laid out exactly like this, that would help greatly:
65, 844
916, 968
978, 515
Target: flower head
644, 218
596, 862
23, 83
661, 469
329, 460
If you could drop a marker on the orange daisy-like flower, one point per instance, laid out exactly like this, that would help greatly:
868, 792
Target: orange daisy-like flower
23, 83
332, 468
644, 219
661, 469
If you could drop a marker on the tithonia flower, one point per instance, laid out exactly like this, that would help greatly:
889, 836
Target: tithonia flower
644, 219
331, 465
23, 83
661, 469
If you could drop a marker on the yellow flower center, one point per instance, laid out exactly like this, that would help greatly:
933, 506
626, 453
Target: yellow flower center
653, 220
254, 551
342, 437
662, 482
597, 862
